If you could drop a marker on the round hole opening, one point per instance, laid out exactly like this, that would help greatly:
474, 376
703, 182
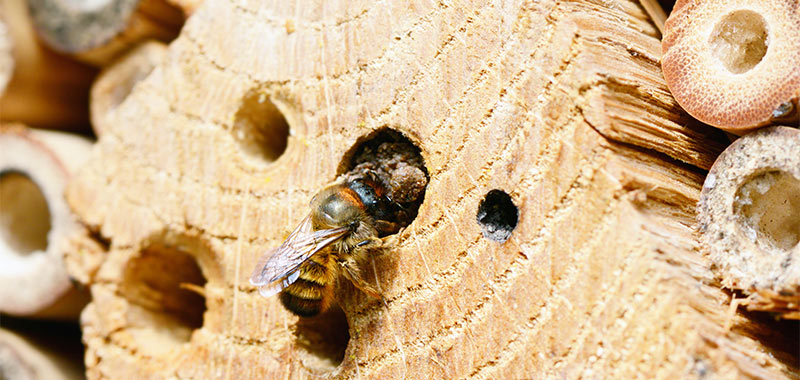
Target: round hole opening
322, 340
768, 208
165, 289
132, 69
497, 216
24, 214
260, 128
395, 165
740, 40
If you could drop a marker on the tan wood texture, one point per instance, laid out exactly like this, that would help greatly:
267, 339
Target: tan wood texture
116, 81
560, 104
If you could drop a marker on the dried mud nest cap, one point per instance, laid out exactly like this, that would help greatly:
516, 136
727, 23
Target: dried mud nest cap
734, 64
749, 212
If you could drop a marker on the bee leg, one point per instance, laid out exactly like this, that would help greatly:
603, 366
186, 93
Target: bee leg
386, 227
351, 271
370, 242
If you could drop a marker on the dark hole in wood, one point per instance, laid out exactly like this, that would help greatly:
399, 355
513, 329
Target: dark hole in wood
322, 340
497, 216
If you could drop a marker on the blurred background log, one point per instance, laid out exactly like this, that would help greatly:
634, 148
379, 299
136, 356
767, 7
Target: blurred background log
100, 33
45, 89
560, 105
116, 82
40, 351
36, 224
6, 56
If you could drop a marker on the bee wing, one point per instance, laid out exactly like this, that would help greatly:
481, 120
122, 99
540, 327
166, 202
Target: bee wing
279, 267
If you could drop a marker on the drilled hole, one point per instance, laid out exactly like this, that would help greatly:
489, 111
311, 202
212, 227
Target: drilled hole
497, 216
395, 163
260, 128
164, 287
740, 40
768, 208
322, 340
24, 214
391, 165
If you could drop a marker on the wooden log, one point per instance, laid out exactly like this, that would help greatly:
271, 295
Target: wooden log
187, 6
749, 216
116, 81
36, 223
45, 89
6, 56
100, 33
559, 105
653, 8
24, 359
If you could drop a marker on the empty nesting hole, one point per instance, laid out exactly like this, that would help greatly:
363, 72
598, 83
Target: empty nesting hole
768, 208
164, 287
322, 340
260, 128
740, 40
24, 214
497, 215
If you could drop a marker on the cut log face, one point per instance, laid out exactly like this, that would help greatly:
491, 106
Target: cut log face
559, 105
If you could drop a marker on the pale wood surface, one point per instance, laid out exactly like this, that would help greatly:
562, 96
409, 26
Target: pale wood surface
115, 82
656, 13
560, 104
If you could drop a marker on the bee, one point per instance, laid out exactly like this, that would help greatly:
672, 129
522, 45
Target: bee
345, 222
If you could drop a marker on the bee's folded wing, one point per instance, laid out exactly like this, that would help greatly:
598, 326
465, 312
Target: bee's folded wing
280, 267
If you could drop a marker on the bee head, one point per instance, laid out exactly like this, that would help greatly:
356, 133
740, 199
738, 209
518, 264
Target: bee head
334, 207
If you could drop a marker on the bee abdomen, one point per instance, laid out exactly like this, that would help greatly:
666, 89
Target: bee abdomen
311, 293
303, 307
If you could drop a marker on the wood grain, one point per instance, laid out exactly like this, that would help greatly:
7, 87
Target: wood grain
560, 104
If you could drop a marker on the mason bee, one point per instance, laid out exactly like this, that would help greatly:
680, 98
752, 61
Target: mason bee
345, 222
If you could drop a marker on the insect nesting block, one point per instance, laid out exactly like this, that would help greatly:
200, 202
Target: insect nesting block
555, 110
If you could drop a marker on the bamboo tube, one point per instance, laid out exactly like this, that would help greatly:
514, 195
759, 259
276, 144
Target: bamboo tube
36, 223
101, 33
22, 358
45, 89
6, 59
749, 217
